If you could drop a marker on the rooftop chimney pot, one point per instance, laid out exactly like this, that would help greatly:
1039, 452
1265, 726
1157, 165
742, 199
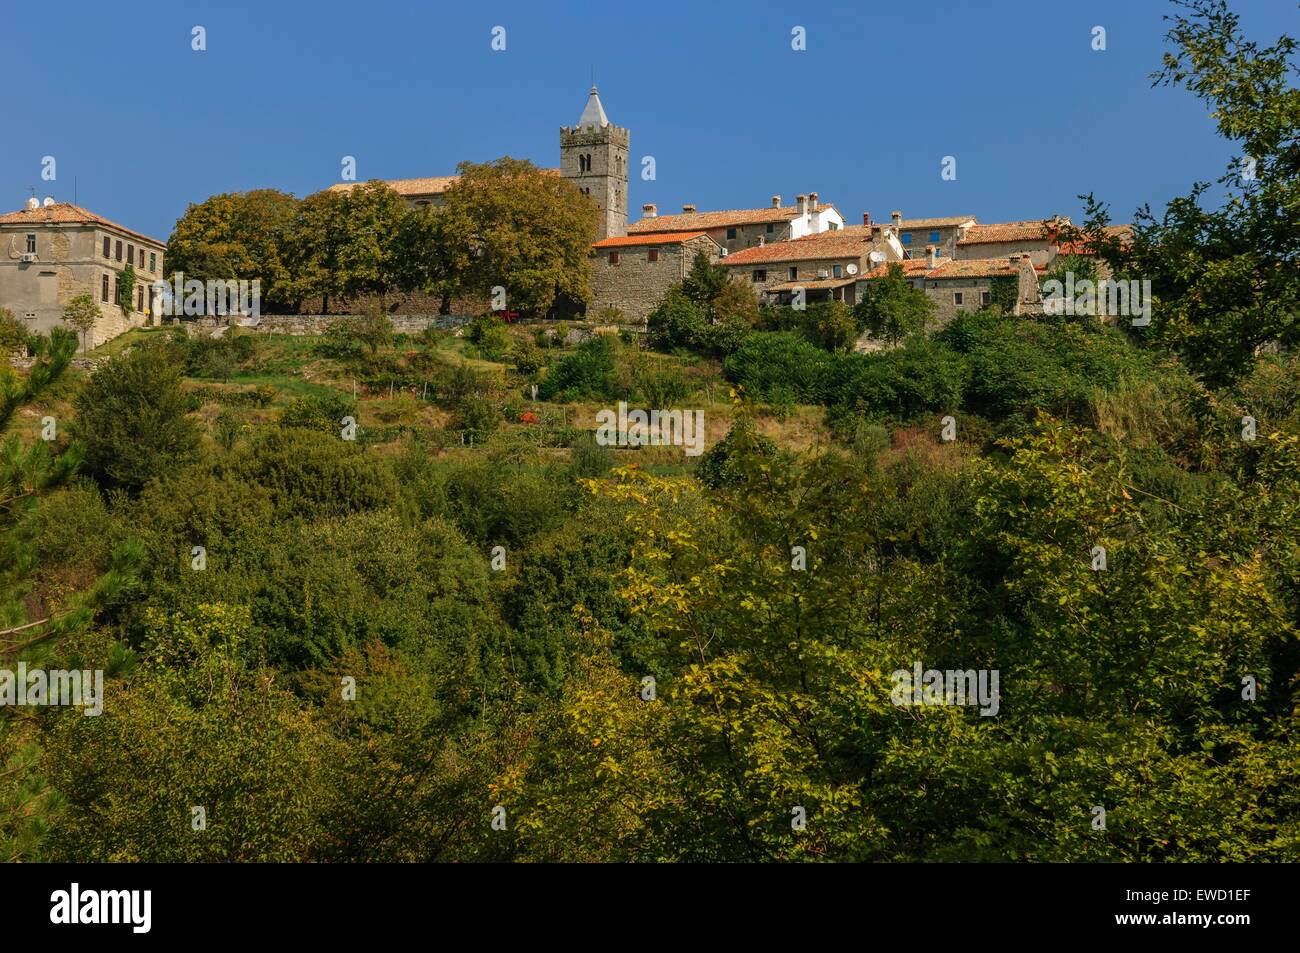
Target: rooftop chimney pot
866, 218
688, 209
897, 217
776, 201
649, 210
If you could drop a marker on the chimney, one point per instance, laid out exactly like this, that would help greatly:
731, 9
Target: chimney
931, 256
649, 210
897, 217
688, 209
776, 201
802, 202
812, 200
866, 218
49, 200
33, 202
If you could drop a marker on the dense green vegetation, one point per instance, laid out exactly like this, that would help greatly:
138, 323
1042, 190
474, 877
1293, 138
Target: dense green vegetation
363, 597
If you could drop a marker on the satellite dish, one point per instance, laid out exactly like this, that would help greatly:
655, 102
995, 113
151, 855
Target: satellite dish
876, 257
852, 269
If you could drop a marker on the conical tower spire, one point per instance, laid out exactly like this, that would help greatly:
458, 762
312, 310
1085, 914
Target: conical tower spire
594, 113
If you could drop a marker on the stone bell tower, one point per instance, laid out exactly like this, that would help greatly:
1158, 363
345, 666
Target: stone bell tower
593, 156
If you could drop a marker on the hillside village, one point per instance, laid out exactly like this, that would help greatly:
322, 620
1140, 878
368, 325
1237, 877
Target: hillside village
499, 525
800, 252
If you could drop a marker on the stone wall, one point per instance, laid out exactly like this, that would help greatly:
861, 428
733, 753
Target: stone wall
636, 285
305, 324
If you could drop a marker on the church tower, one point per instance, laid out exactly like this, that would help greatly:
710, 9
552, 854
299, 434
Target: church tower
593, 156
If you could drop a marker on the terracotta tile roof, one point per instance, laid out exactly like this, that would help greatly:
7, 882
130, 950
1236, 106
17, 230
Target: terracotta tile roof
430, 185
724, 219
666, 238
65, 213
949, 268
1004, 232
975, 268
950, 221
912, 268
1123, 232
819, 284
834, 244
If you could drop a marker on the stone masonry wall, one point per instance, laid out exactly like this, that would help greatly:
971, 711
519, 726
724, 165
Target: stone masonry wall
636, 285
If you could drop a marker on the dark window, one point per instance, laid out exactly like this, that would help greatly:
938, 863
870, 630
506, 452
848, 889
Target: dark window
653, 255
934, 237
832, 226
139, 299
103, 285
760, 274
117, 291
31, 244
731, 233
613, 258
771, 228
985, 297
153, 262
108, 247
142, 259
130, 254
837, 271
907, 238
794, 273
117, 249
956, 297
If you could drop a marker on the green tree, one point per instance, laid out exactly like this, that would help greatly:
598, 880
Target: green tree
890, 308
312, 249
1224, 280
435, 248
368, 249
705, 281
82, 313
532, 234
131, 417
13, 333
239, 236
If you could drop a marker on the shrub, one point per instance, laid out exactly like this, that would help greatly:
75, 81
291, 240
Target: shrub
782, 360
131, 416
490, 336
587, 372
323, 412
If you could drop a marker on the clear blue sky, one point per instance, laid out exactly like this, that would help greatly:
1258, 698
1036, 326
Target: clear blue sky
713, 91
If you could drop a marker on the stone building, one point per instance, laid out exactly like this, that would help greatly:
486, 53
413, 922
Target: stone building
826, 266
738, 229
914, 234
1003, 239
955, 285
52, 252
633, 272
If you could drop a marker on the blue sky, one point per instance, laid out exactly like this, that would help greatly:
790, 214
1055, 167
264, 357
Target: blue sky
713, 91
